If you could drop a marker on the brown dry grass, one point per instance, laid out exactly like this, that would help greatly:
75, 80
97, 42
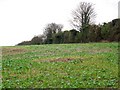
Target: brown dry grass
12, 51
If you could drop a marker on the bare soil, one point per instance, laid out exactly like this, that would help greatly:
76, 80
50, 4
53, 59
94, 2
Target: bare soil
59, 60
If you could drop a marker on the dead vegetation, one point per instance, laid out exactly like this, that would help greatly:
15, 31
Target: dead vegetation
60, 60
12, 51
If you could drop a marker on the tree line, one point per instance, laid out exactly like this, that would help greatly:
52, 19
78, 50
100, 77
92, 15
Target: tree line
84, 29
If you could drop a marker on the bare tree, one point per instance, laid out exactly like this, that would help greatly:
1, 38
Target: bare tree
83, 15
51, 29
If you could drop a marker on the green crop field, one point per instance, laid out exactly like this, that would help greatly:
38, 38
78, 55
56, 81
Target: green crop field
90, 65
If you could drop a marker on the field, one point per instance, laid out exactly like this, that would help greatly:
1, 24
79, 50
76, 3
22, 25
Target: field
91, 65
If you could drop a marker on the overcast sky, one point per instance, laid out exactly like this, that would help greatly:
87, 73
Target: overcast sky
20, 20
